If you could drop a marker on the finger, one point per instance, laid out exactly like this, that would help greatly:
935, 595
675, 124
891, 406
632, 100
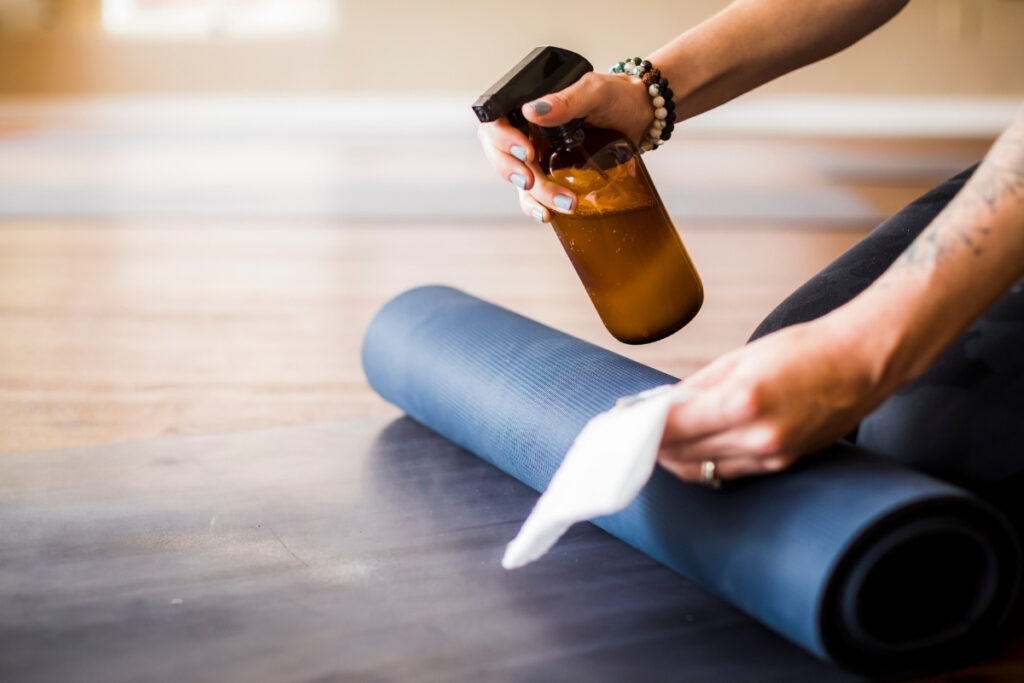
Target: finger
504, 157
551, 195
503, 136
737, 468
510, 169
706, 413
532, 208
713, 373
548, 195
525, 176
576, 101
755, 441
725, 468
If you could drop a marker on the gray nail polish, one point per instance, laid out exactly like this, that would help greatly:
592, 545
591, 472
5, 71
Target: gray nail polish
538, 215
518, 180
518, 151
540, 106
563, 202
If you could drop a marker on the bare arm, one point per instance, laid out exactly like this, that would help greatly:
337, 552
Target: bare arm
747, 44
967, 258
751, 42
794, 391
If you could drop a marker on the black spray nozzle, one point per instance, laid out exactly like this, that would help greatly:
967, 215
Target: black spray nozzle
545, 70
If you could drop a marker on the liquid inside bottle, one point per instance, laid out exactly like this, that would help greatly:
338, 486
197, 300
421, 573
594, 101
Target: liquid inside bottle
620, 239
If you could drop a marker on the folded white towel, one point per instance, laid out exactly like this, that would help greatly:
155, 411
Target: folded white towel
608, 464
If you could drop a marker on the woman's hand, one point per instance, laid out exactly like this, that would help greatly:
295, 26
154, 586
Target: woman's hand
606, 100
790, 393
759, 408
743, 46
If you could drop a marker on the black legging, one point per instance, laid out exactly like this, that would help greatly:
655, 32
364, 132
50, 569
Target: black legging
962, 420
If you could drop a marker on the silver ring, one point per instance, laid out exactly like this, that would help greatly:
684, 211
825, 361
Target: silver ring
708, 475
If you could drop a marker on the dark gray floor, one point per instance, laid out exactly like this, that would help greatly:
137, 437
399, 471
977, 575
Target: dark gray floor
362, 550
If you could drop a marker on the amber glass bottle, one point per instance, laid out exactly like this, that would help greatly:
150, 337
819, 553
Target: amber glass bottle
620, 239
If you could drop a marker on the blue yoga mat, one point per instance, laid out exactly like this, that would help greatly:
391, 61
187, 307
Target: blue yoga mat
856, 558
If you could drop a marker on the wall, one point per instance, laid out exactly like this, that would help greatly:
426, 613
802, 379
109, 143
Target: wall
934, 47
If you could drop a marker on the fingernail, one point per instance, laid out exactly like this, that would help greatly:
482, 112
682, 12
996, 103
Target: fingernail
540, 106
518, 151
563, 202
538, 215
518, 180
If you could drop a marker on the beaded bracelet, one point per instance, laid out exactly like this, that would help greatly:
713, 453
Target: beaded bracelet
661, 99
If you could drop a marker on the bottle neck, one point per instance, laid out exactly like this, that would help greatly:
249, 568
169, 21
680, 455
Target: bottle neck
567, 134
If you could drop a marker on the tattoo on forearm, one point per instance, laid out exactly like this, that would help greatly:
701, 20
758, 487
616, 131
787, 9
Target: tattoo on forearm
998, 182
1001, 177
940, 240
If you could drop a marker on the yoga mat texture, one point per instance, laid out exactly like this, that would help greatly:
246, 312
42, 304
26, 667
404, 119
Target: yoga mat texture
853, 556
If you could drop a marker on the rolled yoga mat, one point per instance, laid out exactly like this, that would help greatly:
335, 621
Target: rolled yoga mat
852, 556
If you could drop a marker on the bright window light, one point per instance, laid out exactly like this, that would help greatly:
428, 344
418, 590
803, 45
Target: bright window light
199, 18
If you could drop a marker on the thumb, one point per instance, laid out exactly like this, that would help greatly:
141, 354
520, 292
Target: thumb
714, 373
574, 102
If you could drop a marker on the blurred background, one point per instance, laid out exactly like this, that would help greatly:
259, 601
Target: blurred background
202, 202
292, 107
939, 47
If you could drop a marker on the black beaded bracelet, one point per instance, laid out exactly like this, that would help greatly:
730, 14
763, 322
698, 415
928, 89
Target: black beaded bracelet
661, 99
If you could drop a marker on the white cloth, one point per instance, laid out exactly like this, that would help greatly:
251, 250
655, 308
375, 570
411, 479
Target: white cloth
608, 464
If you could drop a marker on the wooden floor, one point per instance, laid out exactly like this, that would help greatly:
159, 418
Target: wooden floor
111, 332
126, 315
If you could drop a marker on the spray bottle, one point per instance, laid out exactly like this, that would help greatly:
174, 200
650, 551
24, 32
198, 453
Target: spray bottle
620, 239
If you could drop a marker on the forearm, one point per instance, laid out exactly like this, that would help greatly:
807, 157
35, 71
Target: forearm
970, 255
754, 41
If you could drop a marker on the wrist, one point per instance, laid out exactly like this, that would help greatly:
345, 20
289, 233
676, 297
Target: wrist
630, 110
686, 75
657, 92
906, 319
870, 343
697, 61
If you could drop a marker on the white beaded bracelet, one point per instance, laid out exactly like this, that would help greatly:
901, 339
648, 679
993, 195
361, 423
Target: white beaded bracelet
661, 99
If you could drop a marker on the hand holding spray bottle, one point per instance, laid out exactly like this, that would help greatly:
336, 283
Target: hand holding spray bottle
620, 239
